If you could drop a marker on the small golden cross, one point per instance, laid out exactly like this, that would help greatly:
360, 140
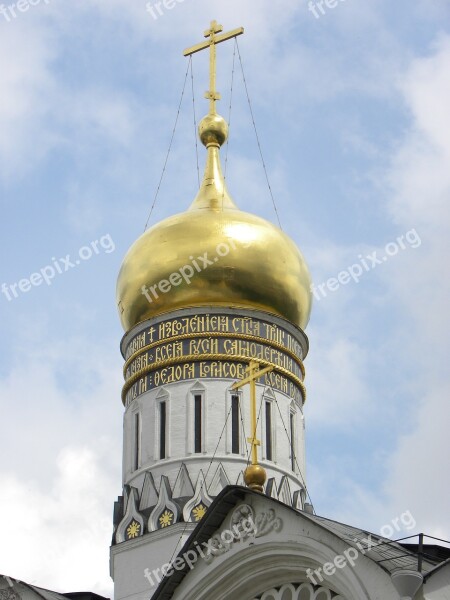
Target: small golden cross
254, 373
212, 95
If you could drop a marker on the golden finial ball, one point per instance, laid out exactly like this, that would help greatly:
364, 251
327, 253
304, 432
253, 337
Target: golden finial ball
213, 130
255, 477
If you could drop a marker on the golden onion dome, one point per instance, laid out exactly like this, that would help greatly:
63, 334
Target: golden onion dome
213, 255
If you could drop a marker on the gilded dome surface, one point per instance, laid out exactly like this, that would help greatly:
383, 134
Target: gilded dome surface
213, 255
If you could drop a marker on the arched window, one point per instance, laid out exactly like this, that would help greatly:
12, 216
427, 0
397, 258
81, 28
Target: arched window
162, 429
235, 424
268, 430
137, 441
162, 425
196, 419
268, 418
198, 423
292, 436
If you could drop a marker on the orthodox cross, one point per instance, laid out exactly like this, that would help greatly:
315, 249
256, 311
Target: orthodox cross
212, 95
254, 373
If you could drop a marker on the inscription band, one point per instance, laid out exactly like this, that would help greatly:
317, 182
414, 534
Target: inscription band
218, 334
193, 325
210, 357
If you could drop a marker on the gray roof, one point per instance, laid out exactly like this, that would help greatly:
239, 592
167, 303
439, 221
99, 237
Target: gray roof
388, 554
14, 589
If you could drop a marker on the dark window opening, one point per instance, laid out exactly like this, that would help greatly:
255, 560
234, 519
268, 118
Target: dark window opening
235, 449
197, 423
162, 429
137, 440
292, 432
268, 431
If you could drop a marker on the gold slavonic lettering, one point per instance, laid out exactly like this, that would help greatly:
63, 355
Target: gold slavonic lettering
204, 346
274, 333
135, 345
167, 351
173, 374
142, 385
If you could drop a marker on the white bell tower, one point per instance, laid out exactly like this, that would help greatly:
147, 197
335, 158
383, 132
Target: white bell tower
210, 299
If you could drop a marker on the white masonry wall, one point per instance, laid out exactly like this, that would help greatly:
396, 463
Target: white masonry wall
216, 394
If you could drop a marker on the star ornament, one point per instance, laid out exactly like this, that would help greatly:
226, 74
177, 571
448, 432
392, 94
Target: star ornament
166, 518
133, 530
199, 512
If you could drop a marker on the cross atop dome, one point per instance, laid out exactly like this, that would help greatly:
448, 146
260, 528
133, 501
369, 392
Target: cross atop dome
212, 95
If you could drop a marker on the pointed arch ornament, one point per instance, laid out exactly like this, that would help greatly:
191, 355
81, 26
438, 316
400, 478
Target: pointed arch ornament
132, 524
195, 509
166, 512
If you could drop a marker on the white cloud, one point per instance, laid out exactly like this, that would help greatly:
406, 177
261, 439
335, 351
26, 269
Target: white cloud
97, 116
26, 83
420, 178
40, 110
412, 358
419, 475
338, 390
58, 536
60, 463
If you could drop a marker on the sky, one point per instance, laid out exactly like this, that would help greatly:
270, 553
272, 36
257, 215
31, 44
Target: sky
351, 103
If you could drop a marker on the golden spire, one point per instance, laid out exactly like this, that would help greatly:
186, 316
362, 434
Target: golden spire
213, 128
254, 475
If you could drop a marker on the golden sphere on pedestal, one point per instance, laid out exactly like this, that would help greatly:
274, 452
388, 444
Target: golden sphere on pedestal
255, 477
213, 129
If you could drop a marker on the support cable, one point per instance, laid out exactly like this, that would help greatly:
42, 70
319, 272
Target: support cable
220, 438
257, 138
170, 146
229, 119
295, 457
244, 437
195, 120
249, 448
